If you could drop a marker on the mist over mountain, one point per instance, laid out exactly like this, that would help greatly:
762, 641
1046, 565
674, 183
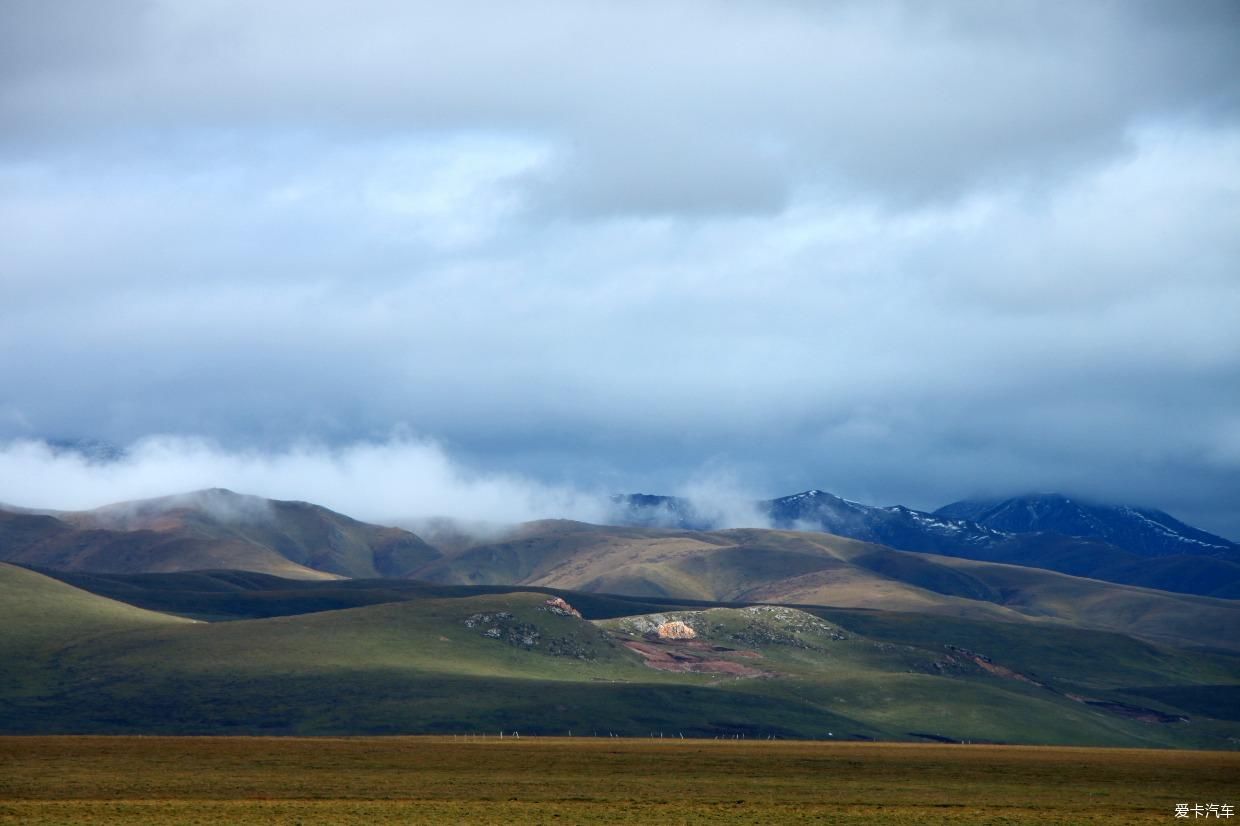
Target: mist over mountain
654, 511
975, 523
215, 528
210, 530
219, 530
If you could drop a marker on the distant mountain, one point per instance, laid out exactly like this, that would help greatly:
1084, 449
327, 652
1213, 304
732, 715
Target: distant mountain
644, 510
221, 530
1141, 531
210, 530
816, 510
1212, 571
895, 526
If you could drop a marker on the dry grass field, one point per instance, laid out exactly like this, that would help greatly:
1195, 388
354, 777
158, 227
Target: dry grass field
108, 780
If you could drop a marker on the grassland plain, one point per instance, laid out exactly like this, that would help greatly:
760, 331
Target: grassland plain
108, 780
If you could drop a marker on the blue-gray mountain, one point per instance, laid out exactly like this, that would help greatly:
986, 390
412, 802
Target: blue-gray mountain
1134, 546
1142, 531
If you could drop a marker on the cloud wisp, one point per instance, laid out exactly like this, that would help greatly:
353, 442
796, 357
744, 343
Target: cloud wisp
401, 479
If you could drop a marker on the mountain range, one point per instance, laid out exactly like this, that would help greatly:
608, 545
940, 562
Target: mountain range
1141, 531
1134, 546
217, 612
219, 529
947, 567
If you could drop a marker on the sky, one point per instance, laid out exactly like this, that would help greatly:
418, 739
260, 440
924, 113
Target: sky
493, 259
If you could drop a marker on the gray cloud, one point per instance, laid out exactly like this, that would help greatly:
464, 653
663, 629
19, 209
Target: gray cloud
906, 252
653, 107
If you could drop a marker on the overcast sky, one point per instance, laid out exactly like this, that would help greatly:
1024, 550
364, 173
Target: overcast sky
906, 252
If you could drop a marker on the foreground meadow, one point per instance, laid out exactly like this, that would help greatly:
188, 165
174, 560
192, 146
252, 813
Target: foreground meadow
105, 780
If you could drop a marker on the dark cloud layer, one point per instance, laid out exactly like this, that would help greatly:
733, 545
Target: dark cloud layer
905, 251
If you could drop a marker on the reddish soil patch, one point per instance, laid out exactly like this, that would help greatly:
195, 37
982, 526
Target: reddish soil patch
696, 658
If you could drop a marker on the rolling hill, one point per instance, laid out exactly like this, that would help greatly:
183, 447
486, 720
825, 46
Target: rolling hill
819, 569
519, 661
42, 617
210, 530
41, 612
220, 530
782, 633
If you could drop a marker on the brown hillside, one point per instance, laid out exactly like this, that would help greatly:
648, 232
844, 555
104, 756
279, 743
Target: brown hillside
753, 565
211, 530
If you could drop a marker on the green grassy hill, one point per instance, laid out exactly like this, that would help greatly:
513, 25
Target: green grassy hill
41, 618
490, 661
40, 612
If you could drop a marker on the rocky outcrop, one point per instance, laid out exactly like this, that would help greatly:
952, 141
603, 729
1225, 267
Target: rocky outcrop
560, 608
757, 625
506, 627
675, 630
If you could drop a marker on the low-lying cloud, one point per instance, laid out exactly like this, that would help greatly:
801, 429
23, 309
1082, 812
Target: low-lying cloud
397, 480
403, 480
719, 498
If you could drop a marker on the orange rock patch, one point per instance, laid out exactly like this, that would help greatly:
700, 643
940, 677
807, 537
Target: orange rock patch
675, 630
